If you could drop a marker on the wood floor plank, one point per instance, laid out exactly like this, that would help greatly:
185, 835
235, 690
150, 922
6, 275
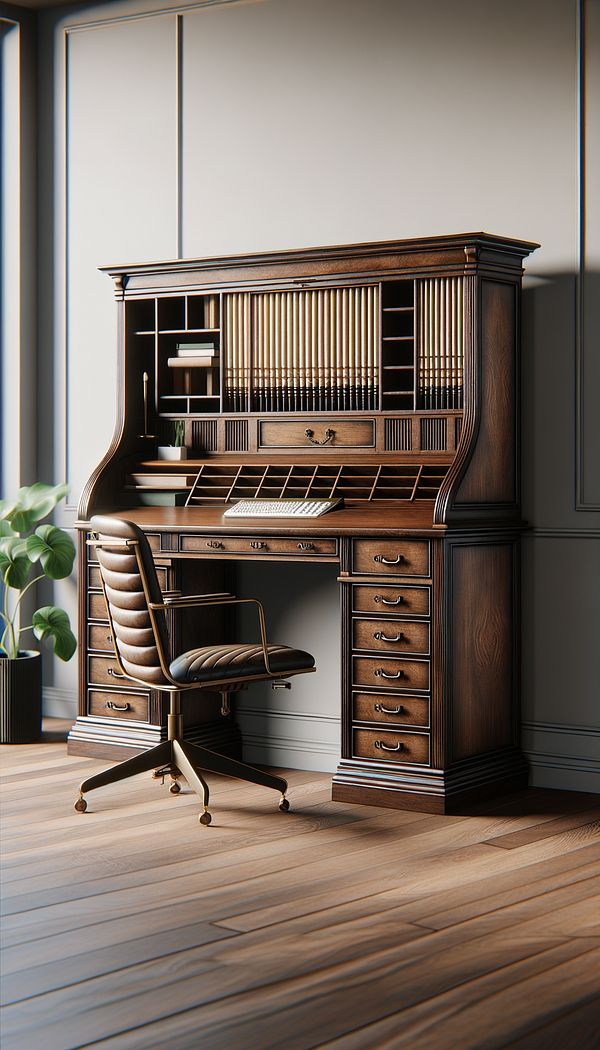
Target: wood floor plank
450, 1020
514, 839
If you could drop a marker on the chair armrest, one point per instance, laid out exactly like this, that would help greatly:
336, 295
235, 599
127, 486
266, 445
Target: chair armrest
199, 600
175, 600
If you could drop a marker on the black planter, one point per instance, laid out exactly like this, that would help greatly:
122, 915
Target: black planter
21, 698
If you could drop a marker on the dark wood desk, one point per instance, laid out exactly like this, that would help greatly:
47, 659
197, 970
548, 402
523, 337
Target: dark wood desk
383, 373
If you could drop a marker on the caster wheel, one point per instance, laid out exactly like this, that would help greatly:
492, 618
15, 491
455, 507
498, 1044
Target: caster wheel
80, 805
175, 788
284, 805
205, 818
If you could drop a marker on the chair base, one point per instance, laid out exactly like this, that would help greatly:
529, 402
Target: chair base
180, 757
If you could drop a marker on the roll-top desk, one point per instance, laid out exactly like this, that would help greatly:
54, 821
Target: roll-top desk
387, 374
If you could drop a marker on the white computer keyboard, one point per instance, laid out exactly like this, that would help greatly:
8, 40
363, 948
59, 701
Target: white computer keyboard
280, 508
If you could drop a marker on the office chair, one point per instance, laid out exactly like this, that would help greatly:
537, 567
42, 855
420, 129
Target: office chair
136, 613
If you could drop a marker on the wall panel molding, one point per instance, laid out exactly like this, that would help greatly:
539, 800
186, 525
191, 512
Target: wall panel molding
587, 372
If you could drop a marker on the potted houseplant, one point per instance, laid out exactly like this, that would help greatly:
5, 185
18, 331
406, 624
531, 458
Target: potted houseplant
177, 449
29, 552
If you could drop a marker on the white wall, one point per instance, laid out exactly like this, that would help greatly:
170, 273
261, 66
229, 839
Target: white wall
245, 126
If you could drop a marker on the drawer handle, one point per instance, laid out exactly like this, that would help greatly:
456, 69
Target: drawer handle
306, 546
329, 434
215, 544
379, 636
384, 747
258, 545
399, 710
117, 707
380, 673
115, 674
385, 601
388, 561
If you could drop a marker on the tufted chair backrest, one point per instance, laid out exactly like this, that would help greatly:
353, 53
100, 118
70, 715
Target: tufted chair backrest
136, 637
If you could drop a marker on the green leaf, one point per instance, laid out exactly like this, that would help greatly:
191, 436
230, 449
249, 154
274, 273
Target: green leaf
15, 566
5, 529
33, 503
54, 549
52, 625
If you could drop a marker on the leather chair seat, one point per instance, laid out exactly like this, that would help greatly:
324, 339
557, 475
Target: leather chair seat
218, 662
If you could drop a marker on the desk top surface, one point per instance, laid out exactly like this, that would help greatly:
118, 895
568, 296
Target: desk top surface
351, 520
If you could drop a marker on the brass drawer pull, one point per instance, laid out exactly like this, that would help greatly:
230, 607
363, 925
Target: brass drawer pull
329, 434
117, 707
379, 636
306, 546
215, 544
258, 545
388, 561
380, 673
115, 674
384, 747
399, 710
385, 601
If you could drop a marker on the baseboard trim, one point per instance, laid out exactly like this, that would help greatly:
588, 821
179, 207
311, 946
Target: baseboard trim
563, 756
59, 703
296, 739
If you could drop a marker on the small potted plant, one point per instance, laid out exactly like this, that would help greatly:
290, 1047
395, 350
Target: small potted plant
177, 449
24, 546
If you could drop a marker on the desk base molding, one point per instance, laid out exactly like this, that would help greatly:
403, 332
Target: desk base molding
94, 738
430, 790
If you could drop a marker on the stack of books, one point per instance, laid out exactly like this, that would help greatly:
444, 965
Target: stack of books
162, 490
194, 355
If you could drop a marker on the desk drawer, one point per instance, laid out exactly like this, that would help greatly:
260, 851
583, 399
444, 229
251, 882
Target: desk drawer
391, 601
97, 606
386, 745
261, 545
309, 433
391, 557
118, 705
392, 636
104, 670
394, 710
390, 674
100, 638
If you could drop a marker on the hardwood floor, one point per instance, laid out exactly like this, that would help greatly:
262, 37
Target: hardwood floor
333, 926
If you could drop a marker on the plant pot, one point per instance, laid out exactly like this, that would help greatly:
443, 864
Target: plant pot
172, 452
21, 698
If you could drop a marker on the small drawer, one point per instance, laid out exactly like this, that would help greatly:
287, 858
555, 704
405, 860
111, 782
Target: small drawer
103, 670
261, 545
94, 576
118, 705
390, 674
392, 636
397, 601
100, 638
391, 557
395, 710
321, 433
97, 606
386, 745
